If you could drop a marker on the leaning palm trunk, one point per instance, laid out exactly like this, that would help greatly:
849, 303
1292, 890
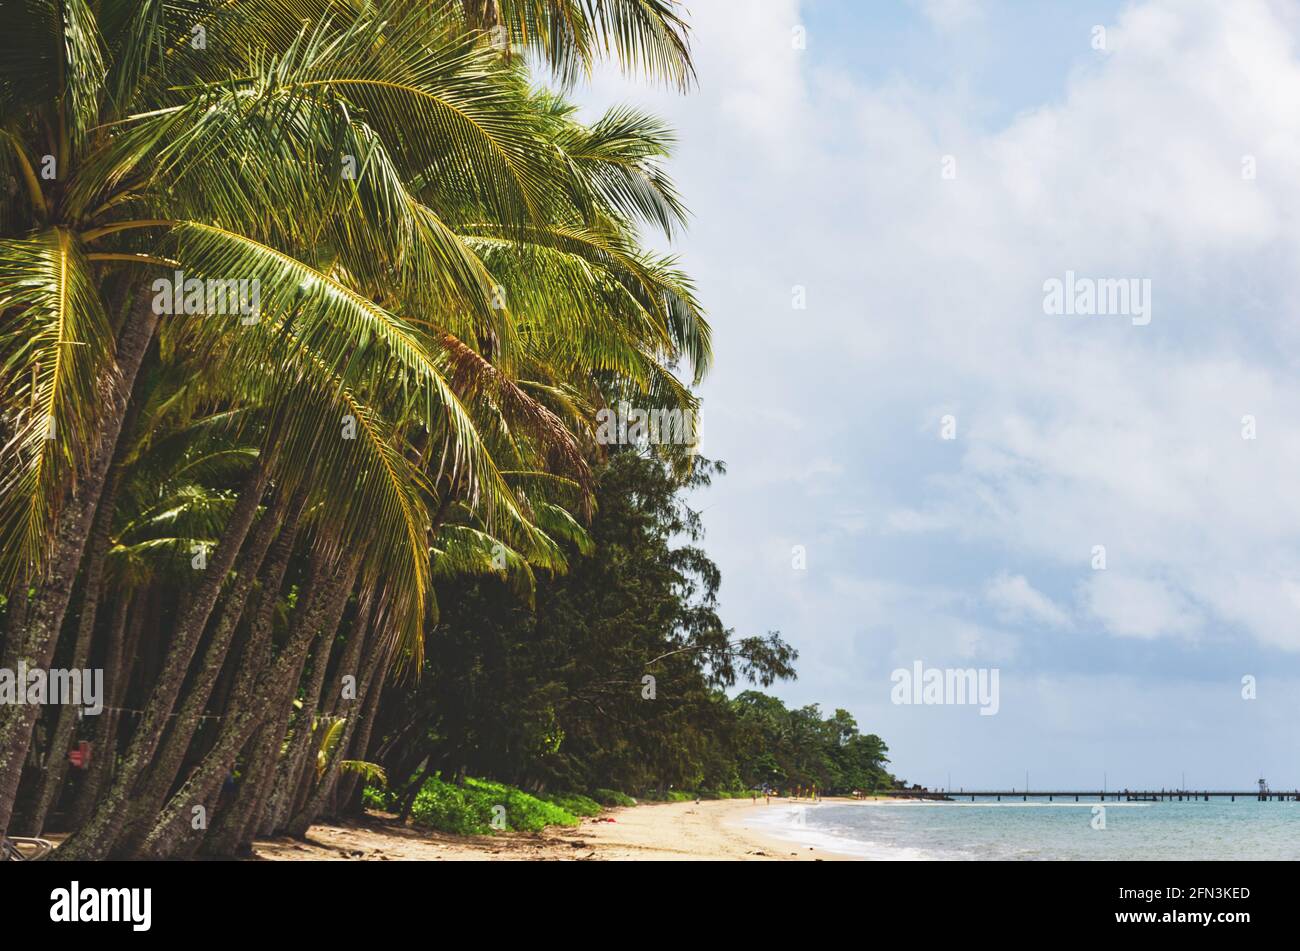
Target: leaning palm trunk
281, 515
92, 582
378, 650
254, 657
294, 764
347, 799
260, 755
97, 837
234, 833
15, 614
299, 769
195, 800
45, 610
119, 662
235, 827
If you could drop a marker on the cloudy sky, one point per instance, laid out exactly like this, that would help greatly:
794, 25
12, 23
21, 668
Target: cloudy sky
920, 170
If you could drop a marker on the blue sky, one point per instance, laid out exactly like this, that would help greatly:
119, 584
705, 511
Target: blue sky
822, 168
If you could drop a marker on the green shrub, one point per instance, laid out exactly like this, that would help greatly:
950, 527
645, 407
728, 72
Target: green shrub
378, 797
575, 803
612, 797
470, 809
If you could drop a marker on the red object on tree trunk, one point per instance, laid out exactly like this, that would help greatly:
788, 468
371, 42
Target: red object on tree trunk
80, 757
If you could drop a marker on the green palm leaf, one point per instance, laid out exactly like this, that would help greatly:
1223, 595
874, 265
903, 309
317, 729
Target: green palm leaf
55, 359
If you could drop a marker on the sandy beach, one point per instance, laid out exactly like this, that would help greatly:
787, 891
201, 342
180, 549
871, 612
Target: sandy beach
711, 830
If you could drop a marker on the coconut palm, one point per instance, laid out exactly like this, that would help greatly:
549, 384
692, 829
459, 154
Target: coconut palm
447, 279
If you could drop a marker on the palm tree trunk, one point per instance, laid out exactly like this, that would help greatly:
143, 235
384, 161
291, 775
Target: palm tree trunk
92, 583
294, 765
237, 829
300, 765
237, 826
282, 514
118, 664
262, 765
261, 756
46, 609
97, 837
15, 614
172, 830
377, 653
347, 788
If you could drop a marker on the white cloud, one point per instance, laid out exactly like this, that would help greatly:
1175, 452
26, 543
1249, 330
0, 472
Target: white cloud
1139, 607
1083, 431
1014, 598
949, 14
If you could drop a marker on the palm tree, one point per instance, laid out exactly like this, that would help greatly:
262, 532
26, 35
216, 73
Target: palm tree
448, 280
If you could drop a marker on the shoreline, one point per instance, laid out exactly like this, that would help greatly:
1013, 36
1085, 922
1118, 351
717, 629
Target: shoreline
710, 830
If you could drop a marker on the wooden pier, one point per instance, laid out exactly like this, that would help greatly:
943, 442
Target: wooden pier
1123, 795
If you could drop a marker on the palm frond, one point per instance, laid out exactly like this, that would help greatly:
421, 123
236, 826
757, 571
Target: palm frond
56, 363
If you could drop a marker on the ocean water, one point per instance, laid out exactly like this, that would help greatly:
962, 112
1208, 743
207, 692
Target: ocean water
1019, 831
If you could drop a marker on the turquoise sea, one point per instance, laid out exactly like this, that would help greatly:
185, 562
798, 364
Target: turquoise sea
963, 831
